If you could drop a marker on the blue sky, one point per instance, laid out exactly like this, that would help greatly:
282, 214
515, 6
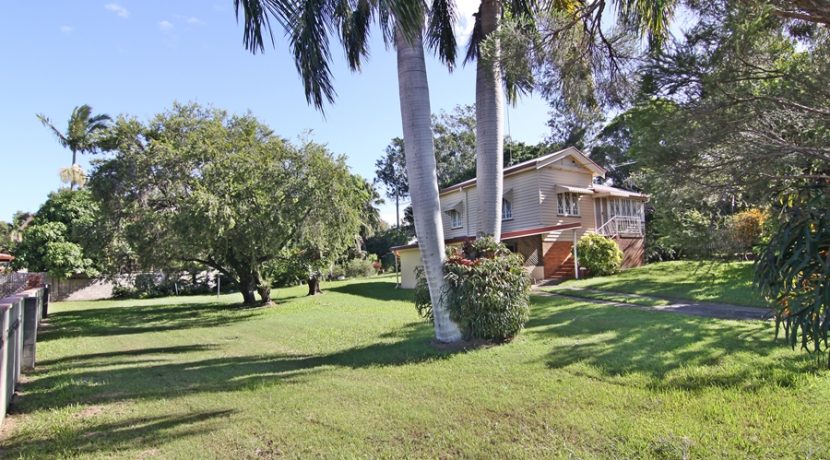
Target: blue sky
137, 57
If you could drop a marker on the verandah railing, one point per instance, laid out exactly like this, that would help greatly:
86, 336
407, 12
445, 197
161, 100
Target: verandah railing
623, 225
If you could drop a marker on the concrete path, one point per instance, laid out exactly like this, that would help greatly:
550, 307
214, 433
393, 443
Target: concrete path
704, 309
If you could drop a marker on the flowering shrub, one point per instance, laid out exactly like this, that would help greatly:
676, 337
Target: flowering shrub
488, 291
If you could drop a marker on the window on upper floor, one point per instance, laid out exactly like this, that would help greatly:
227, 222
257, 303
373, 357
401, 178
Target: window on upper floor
456, 221
568, 203
506, 210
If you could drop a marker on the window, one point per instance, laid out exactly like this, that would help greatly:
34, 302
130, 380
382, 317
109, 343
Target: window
626, 208
506, 210
568, 204
455, 219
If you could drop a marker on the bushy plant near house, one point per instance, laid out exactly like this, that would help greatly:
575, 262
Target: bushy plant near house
488, 291
360, 268
599, 254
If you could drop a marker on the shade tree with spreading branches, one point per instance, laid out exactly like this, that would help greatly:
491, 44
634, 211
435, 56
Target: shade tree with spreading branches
198, 185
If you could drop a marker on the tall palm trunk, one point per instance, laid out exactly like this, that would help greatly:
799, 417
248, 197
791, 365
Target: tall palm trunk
489, 129
423, 180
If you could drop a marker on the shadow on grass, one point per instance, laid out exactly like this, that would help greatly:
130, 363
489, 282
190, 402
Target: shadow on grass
139, 319
674, 351
50, 389
710, 281
377, 290
75, 360
143, 433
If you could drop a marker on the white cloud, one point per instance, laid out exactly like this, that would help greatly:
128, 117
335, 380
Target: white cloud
119, 10
166, 26
67, 29
193, 20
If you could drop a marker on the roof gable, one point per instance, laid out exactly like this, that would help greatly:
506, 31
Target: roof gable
538, 163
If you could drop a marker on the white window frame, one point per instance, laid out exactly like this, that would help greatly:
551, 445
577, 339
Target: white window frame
456, 219
568, 204
506, 209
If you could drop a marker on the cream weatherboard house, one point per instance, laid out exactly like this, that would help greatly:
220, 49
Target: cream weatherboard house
549, 203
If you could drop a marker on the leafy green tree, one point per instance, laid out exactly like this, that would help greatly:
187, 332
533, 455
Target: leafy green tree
390, 171
60, 239
80, 137
197, 185
6, 241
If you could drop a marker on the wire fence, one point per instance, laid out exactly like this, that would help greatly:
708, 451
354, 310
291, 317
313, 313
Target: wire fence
12, 283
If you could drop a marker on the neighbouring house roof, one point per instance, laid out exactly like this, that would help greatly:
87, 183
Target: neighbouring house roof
606, 190
6, 257
504, 236
538, 163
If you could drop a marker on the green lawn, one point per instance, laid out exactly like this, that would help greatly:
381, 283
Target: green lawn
612, 297
352, 373
727, 282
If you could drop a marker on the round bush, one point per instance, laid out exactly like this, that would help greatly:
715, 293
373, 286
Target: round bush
488, 291
599, 254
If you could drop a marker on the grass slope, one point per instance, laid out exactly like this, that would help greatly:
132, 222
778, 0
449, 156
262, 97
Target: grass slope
351, 373
725, 282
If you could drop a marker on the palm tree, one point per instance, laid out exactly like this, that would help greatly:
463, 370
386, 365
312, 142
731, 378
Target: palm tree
648, 17
402, 22
79, 135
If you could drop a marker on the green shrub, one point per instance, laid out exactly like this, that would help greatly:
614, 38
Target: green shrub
488, 291
599, 254
360, 268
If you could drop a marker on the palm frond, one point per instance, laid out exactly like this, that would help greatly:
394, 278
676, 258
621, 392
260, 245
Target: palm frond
257, 16
48, 123
354, 31
650, 17
440, 34
309, 43
476, 39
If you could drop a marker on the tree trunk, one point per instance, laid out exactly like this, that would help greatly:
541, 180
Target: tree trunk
423, 179
489, 129
72, 181
264, 291
247, 286
313, 285
397, 210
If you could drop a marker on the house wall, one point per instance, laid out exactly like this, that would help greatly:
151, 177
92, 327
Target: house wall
565, 172
410, 258
532, 193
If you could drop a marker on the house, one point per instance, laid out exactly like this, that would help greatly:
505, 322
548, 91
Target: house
548, 204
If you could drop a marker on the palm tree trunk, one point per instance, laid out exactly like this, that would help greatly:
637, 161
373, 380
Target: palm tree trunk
423, 179
489, 130
397, 211
74, 159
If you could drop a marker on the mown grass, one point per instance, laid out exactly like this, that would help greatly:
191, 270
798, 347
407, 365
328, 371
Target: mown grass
612, 297
707, 281
352, 373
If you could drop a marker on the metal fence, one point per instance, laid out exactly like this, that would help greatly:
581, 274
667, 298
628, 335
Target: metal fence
12, 283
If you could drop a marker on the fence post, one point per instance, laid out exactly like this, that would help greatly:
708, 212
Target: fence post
4, 359
32, 304
45, 310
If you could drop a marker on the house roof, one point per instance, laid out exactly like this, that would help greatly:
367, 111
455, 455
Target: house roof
6, 257
607, 190
504, 236
538, 163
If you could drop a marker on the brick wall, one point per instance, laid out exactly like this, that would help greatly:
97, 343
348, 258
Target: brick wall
558, 259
